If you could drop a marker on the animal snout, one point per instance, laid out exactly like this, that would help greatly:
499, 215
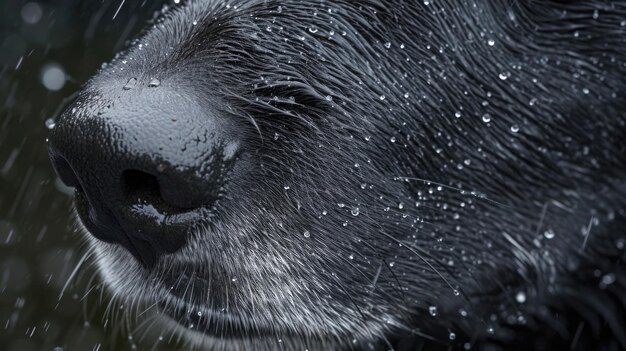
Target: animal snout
148, 164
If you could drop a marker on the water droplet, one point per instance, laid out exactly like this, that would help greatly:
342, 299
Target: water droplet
504, 75
53, 77
520, 297
549, 233
329, 98
50, 123
432, 310
355, 211
313, 30
307, 234
491, 42
387, 45
452, 336
457, 114
154, 83
130, 84
486, 118
393, 139
401, 205
515, 128
608, 279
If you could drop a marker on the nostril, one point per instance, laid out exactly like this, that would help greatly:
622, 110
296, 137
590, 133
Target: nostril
65, 172
139, 186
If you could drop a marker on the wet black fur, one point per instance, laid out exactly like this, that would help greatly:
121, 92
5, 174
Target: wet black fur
460, 157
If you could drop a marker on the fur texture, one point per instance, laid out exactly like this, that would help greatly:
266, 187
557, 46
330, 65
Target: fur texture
426, 174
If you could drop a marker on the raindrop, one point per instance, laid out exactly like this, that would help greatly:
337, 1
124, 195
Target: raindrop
520, 297
313, 30
452, 336
50, 123
504, 75
401, 205
31, 13
355, 211
432, 310
329, 98
387, 45
393, 139
307, 234
7, 233
53, 77
486, 118
515, 128
457, 114
491, 42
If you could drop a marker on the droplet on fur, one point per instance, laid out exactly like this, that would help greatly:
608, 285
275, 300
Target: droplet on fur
515, 128
486, 118
130, 84
608, 279
154, 83
307, 234
549, 234
393, 139
355, 211
401, 205
452, 336
520, 297
457, 114
504, 75
491, 42
432, 310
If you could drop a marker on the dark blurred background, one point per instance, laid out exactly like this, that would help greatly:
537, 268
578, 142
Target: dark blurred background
48, 49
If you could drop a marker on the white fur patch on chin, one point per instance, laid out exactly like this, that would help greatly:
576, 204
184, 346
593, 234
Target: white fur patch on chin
128, 282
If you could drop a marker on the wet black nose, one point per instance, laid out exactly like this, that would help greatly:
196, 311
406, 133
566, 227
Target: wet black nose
148, 165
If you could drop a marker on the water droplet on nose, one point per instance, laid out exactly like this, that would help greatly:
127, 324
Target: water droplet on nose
130, 84
154, 83
50, 123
